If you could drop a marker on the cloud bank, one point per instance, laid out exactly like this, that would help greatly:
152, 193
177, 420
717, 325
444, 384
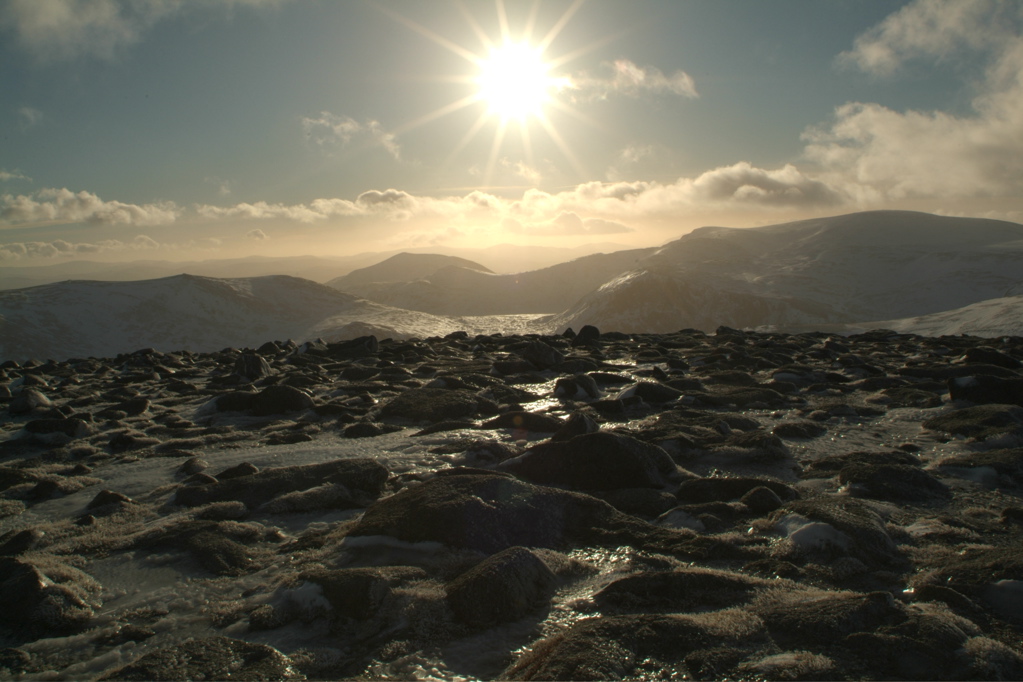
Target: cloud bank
628, 79
65, 206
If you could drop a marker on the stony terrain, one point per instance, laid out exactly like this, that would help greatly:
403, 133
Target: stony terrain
585, 506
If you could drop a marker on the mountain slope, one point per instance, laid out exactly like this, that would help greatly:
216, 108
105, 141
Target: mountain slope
863, 266
402, 267
992, 318
454, 290
185, 312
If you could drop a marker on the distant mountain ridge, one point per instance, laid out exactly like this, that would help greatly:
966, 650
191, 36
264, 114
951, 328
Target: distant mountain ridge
911, 271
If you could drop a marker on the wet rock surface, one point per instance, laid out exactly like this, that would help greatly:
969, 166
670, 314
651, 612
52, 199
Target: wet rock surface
740, 505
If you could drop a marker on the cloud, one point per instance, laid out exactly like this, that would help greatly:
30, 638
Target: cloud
929, 28
319, 209
6, 176
59, 248
29, 117
626, 78
258, 235
329, 129
566, 224
65, 206
878, 153
60, 30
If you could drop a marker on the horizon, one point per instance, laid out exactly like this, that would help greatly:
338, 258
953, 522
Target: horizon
182, 131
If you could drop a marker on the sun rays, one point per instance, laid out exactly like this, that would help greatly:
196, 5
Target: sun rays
513, 82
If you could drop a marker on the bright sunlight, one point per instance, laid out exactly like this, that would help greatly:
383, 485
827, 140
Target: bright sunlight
514, 81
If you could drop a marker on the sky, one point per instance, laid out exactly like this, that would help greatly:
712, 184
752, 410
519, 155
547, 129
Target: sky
185, 129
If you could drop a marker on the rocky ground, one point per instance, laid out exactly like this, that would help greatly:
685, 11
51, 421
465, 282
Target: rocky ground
678, 506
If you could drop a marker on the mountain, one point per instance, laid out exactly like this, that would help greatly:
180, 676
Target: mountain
402, 267
992, 318
872, 265
186, 312
459, 290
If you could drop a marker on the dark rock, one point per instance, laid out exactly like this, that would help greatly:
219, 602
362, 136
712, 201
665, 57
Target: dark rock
594, 461
989, 356
727, 488
359, 592
366, 475
587, 336
359, 373
14, 660
576, 387
905, 396
72, 427
640, 501
641, 646
490, 513
651, 392
31, 601
986, 390
577, 424
803, 622
542, 355
761, 500
280, 400
15, 543
130, 440
109, 497
252, 367
524, 421
369, 430
360, 347
212, 658
501, 588
867, 536
437, 404
691, 589
29, 400
895, 482
237, 471
799, 429
981, 421
826, 467
1006, 463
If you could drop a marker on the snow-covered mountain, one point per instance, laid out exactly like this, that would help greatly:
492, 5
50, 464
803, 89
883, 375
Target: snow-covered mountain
992, 318
864, 266
185, 312
456, 289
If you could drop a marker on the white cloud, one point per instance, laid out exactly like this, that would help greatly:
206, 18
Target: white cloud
258, 235
626, 78
29, 117
329, 129
59, 248
878, 153
566, 223
6, 176
64, 206
56, 30
320, 209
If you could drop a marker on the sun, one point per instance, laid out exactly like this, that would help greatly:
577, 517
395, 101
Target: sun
512, 82
515, 82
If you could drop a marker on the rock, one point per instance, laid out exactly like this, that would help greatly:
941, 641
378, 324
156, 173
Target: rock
805, 621
799, 429
640, 501
989, 356
211, 658
577, 424
650, 392
58, 431
642, 646
981, 422
587, 336
504, 587
237, 471
823, 528
594, 461
690, 589
541, 355
109, 497
369, 430
280, 400
1007, 464
524, 421
437, 404
360, 592
29, 400
761, 500
31, 601
366, 475
986, 390
252, 366
895, 482
576, 387
126, 441
727, 488
490, 513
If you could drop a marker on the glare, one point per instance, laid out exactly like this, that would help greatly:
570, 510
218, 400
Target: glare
515, 82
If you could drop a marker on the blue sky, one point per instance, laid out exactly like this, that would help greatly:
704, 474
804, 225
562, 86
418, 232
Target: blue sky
178, 129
